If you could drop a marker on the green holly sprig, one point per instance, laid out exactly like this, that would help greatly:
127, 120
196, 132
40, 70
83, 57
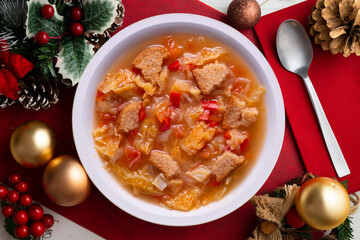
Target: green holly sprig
73, 53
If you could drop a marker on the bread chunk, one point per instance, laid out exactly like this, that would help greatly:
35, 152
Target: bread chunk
232, 117
249, 115
128, 118
237, 114
210, 76
226, 163
150, 62
165, 163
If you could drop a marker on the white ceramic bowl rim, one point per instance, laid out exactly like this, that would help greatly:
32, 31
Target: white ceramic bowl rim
83, 111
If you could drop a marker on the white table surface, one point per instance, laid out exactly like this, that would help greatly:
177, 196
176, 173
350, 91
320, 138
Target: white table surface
66, 229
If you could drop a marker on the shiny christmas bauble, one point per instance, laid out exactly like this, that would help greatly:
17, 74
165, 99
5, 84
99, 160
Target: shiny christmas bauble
65, 181
323, 203
32, 144
244, 14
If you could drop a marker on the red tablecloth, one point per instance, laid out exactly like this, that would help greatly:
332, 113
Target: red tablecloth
97, 213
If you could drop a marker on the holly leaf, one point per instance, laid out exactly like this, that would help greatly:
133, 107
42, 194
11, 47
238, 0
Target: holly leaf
73, 58
99, 14
36, 23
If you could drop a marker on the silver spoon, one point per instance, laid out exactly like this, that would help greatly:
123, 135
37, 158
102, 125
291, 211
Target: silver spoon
295, 53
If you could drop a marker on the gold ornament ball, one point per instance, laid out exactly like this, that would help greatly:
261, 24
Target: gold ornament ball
32, 144
244, 14
65, 181
323, 203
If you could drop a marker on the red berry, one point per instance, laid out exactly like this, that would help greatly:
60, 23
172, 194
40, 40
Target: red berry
8, 210
77, 29
48, 220
35, 212
25, 200
42, 38
13, 196
37, 229
3, 191
21, 187
20, 217
21, 231
76, 13
293, 219
47, 11
14, 179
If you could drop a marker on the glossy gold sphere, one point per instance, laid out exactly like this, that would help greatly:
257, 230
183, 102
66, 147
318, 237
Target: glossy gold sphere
323, 203
32, 144
65, 181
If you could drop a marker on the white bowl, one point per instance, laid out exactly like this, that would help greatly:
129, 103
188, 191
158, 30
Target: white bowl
84, 105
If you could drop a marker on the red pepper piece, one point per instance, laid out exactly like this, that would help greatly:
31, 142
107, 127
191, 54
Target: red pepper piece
174, 66
212, 123
165, 125
142, 114
227, 135
243, 145
99, 95
210, 104
205, 115
133, 156
136, 70
191, 66
175, 98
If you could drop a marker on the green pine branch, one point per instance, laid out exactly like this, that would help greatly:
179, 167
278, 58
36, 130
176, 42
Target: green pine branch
12, 22
345, 184
60, 6
345, 230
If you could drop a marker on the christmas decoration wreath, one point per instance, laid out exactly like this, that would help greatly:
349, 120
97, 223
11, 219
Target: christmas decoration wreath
46, 45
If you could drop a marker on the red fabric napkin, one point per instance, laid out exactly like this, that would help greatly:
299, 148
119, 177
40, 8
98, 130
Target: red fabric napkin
336, 80
97, 213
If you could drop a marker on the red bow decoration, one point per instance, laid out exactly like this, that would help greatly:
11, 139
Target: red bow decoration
12, 67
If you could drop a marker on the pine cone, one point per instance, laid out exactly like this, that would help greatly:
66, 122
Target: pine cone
335, 24
5, 101
38, 93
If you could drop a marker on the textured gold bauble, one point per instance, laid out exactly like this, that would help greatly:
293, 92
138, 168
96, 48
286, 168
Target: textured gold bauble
244, 14
65, 181
32, 144
323, 203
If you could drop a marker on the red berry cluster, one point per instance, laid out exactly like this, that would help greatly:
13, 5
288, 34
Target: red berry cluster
77, 29
47, 11
29, 217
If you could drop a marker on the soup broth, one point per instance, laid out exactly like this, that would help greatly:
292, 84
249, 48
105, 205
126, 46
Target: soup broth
180, 120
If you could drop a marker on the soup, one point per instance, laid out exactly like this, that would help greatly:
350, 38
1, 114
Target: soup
179, 120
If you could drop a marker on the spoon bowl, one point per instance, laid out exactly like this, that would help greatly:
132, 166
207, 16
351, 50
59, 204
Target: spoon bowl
296, 51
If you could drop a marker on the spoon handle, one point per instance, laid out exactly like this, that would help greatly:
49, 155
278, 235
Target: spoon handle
332, 145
